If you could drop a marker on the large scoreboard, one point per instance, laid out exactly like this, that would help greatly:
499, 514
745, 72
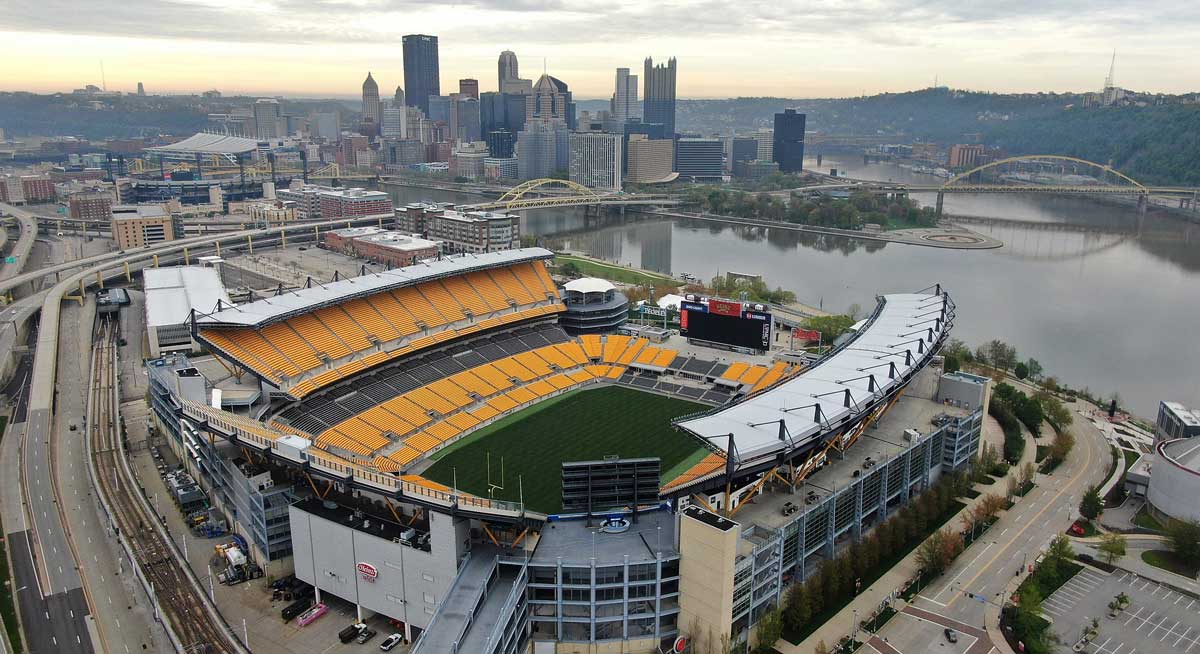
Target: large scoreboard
728, 322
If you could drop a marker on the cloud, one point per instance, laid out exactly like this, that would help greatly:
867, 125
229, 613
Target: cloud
769, 40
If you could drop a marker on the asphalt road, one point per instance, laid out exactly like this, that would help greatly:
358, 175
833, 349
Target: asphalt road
49, 594
1015, 540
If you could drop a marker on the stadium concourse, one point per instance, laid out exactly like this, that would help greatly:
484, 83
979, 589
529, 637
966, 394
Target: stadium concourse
365, 381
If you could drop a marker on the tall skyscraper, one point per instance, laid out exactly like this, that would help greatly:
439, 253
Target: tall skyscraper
392, 124
500, 143
326, 125
543, 148
699, 159
141, 89
506, 68
372, 110
596, 160
788, 145
438, 109
464, 118
421, 72
625, 97
469, 87
551, 100
399, 97
266, 118
659, 96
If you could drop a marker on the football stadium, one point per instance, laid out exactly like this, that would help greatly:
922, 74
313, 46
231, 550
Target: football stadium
436, 426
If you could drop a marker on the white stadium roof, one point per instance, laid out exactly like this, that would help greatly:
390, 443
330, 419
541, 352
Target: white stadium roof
205, 143
898, 340
172, 293
306, 299
589, 285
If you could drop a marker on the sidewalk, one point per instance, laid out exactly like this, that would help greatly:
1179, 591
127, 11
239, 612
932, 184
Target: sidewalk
868, 600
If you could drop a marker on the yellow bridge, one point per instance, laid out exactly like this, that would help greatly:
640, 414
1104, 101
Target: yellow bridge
544, 193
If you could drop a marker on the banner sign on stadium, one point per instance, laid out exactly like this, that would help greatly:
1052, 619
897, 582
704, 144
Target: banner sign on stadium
367, 571
725, 308
806, 334
654, 311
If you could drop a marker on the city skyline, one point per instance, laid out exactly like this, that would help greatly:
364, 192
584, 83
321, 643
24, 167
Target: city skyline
879, 46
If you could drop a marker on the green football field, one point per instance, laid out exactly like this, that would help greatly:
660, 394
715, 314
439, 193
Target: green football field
580, 426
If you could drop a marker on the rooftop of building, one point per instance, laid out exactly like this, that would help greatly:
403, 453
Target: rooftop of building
204, 143
1183, 451
576, 543
360, 518
356, 232
354, 193
172, 293
1189, 417
121, 211
398, 241
589, 285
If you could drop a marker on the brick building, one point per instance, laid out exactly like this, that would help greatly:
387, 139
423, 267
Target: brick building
394, 249
139, 226
90, 205
337, 203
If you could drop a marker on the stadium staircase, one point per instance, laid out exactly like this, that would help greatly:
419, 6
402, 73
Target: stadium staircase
471, 611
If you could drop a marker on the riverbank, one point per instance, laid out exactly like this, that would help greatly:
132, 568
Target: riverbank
950, 237
592, 267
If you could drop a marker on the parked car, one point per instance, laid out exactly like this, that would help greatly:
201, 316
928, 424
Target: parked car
365, 635
390, 642
351, 632
951, 635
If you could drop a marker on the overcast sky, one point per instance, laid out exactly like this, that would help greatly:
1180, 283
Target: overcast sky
783, 48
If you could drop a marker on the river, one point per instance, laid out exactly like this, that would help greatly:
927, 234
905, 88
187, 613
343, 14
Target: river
1075, 286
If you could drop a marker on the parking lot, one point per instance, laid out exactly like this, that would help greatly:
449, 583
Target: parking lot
1159, 618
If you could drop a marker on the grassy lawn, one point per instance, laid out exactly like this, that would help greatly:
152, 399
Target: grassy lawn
615, 273
579, 426
1131, 457
8, 608
1144, 520
1168, 561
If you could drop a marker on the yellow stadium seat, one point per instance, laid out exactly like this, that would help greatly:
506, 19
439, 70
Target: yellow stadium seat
735, 371
511, 286
592, 346
441, 299
466, 295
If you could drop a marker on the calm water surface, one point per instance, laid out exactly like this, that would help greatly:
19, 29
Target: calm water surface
1076, 286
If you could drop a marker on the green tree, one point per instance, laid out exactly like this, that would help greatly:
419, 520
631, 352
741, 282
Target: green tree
770, 630
951, 363
1112, 547
931, 555
1184, 539
1059, 552
797, 609
1021, 370
830, 326
1034, 368
1092, 504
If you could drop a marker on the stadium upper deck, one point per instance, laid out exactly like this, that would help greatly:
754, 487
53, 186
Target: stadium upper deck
839, 390
306, 339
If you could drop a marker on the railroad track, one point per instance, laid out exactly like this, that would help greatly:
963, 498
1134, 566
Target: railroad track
175, 598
